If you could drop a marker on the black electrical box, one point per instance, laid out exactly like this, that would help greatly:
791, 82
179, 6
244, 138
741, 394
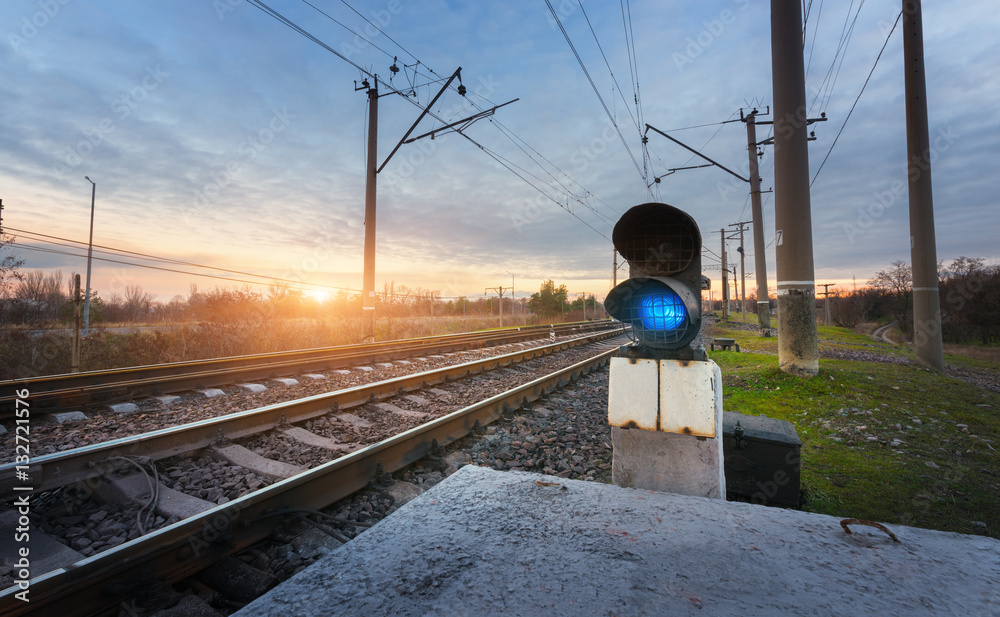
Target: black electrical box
762, 460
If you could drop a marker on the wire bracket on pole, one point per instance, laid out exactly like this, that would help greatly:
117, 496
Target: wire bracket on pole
689, 148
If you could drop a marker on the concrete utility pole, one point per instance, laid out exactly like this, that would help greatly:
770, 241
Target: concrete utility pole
513, 304
499, 291
725, 277
368, 279
759, 256
614, 268
736, 290
798, 342
743, 279
373, 169
927, 344
826, 300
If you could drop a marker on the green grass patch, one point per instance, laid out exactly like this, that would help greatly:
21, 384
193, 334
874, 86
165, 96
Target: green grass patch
881, 441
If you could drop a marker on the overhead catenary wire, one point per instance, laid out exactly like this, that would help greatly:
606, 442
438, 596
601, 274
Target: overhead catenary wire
825, 90
176, 271
260, 4
600, 98
384, 33
556, 180
812, 47
314, 286
634, 74
870, 73
122, 252
346, 27
637, 122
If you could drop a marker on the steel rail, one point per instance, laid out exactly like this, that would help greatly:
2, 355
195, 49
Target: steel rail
88, 463
127, 383
98, 583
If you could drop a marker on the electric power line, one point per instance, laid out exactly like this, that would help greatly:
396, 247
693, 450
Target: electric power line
594, 86
638, 126
856, 99
281, 18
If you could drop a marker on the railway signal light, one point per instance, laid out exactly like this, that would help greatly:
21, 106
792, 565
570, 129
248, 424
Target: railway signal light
661, 300
664, 397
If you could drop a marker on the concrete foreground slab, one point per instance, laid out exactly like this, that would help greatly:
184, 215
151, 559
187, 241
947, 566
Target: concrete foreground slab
484, 542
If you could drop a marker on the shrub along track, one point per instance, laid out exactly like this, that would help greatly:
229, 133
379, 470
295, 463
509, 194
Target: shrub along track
348, 438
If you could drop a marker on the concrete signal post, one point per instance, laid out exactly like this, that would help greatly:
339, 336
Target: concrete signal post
664, 397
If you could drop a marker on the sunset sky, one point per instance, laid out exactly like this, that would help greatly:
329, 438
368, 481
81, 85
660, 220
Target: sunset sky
218, 136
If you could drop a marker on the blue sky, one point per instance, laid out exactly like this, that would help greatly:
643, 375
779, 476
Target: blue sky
216, 135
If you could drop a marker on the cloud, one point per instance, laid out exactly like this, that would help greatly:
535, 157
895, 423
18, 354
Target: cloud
198, 166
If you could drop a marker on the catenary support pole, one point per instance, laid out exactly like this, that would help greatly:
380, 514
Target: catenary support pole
743, 278
725, 277
927, 343
826, 301
90, 259
759, 254
798, 344
368, 282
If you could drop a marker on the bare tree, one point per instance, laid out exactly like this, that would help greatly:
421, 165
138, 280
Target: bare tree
137, 303
897, 283
9, 266
39, 296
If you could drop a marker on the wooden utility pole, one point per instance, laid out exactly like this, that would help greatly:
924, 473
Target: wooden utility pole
798, 342
75, 358
927, 343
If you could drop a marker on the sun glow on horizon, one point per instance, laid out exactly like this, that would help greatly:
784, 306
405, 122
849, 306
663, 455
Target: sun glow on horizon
319, 295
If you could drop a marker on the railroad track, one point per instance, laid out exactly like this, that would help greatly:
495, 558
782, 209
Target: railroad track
56, 392
99, 582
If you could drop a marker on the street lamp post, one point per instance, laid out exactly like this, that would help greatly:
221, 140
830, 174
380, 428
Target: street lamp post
90, 257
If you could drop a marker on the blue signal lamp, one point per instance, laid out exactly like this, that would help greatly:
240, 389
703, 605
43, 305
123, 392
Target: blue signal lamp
661, 300
662, 311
